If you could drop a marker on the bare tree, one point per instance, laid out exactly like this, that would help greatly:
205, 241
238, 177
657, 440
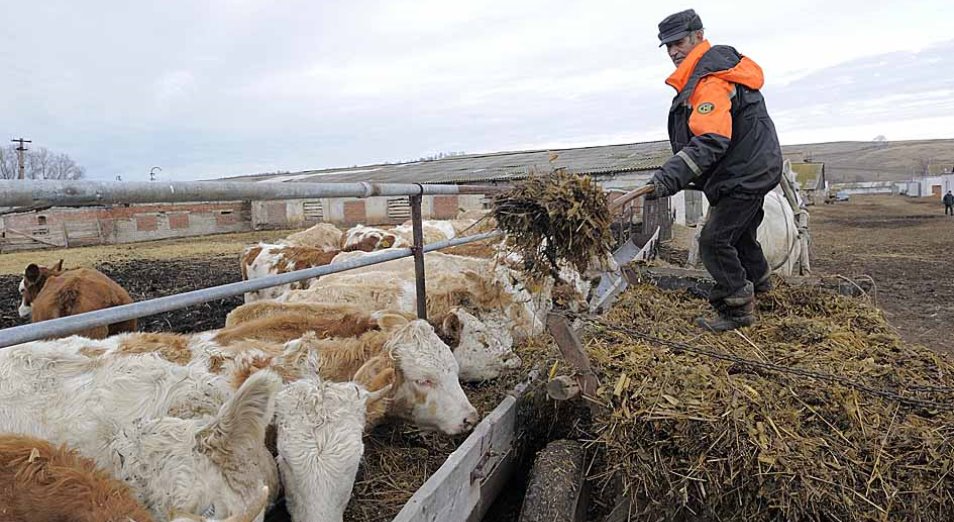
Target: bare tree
40, 163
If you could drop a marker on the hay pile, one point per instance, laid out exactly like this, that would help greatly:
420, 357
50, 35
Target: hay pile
555, 217
694, 437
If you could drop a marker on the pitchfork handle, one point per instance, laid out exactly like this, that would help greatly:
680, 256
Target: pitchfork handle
629, 196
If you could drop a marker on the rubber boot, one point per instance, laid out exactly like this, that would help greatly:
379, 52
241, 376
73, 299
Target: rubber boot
764, 284
733, 312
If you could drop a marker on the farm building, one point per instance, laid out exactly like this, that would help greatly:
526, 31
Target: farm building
867, 187
69, 227
931, 186
618, 167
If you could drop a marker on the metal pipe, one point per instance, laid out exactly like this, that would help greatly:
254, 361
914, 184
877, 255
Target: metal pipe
14, 193
417, 230
76, 323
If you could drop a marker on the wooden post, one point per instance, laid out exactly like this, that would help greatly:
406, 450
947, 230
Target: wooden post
655, 214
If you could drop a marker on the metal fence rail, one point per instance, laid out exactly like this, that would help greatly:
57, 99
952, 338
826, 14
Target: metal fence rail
75, 323
17, 193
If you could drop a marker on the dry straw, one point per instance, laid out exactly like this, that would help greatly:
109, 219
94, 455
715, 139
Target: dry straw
555, 217
694, 437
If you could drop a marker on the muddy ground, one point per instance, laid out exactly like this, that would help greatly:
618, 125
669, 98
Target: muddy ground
147, 270
905, 246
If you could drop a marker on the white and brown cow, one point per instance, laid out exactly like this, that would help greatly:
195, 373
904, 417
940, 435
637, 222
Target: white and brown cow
317, 477
126, 413
426, 379
320, 427
324, 236
482, 354
51, 293
266, 259
486, 287
427, 390
368, 239
40, 482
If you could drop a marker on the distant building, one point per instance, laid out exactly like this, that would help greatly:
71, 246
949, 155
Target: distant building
931, 186
616, 167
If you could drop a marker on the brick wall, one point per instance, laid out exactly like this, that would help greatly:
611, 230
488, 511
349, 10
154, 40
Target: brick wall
128, 223
354, 212
444, 207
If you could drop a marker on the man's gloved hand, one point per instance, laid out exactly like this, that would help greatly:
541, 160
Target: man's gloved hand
659, 189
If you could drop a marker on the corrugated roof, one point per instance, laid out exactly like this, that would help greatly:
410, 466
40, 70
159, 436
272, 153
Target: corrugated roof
499, 166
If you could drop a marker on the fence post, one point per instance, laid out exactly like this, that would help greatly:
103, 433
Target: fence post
655, 214
417, 228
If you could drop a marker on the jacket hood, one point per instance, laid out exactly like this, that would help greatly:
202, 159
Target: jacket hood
721, 61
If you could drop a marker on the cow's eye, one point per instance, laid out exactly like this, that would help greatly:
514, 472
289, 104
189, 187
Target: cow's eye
426, 383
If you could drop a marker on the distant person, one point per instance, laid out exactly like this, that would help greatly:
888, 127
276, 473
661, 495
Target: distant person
949, 204
725, 145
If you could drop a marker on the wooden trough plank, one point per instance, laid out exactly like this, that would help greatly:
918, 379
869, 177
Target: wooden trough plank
453, 492
573, 352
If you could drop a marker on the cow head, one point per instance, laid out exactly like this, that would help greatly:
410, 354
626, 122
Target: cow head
320, 425
428, 391
215, 466
34, 277
368, 239
481, 352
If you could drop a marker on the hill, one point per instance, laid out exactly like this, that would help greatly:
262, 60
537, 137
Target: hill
847, 161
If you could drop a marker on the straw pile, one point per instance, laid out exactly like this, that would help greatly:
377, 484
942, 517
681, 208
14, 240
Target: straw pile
555, 217
694, 437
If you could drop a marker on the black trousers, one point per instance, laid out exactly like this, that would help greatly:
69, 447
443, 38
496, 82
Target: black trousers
729, 248
948, 209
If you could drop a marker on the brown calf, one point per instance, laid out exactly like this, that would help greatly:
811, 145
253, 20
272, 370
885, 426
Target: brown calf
51, 293
39, 482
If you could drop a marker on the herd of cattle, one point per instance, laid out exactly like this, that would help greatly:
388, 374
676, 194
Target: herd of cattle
215, 425
114, 424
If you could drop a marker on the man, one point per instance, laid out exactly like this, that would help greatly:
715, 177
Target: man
725, 145
949, 203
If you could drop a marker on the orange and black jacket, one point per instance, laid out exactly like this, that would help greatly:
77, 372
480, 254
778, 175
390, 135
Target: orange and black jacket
723, 139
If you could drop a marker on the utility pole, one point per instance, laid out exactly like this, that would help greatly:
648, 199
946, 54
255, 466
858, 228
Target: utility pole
20, 150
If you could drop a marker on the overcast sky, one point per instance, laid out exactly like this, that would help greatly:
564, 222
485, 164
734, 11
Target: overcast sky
206, 89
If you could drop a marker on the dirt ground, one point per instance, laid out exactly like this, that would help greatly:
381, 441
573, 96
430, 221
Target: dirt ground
904, 245
147, 271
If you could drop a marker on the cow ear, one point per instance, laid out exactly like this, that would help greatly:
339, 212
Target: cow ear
303, 346
242, 420
32, 273
451, 328
58, 267
375, 374
391, 321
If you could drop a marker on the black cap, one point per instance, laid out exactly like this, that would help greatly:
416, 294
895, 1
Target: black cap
675, 27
